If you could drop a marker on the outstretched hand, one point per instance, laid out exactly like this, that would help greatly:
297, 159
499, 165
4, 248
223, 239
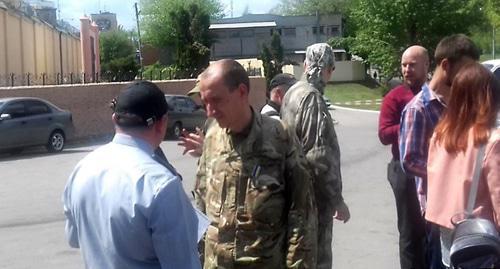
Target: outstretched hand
342, 212
192, 142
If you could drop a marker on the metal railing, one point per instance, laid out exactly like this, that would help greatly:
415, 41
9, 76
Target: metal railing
29, 79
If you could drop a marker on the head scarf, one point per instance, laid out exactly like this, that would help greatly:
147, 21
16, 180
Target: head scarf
319, 57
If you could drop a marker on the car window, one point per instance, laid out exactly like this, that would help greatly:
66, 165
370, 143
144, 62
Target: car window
497, 73
36, 108
190, 104
16, 110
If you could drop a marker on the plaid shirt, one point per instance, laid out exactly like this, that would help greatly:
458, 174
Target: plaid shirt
418, 120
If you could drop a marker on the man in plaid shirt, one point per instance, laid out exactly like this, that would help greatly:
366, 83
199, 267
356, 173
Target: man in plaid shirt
421, 115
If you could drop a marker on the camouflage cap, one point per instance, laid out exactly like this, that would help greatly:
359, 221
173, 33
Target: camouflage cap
319, 57
195, 90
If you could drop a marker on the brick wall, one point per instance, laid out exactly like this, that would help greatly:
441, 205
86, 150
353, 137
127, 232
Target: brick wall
89, 103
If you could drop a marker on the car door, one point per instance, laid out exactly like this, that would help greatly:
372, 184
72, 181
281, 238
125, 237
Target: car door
13, 130
197, 116
39, 122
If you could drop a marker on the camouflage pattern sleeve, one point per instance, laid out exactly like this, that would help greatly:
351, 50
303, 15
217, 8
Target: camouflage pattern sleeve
322, 151
302, 216
200, 187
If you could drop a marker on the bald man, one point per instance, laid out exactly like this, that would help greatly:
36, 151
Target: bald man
411, 224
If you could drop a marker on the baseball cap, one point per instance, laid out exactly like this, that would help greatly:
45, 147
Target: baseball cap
141, 103
195, 90
281, 79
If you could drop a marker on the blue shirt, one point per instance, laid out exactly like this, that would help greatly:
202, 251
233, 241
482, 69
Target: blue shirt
125, 210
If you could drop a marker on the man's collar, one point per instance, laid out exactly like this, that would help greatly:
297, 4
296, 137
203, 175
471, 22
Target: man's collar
128, 140
274, 105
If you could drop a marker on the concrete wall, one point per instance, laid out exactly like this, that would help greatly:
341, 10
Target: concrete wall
28, 45
89, 103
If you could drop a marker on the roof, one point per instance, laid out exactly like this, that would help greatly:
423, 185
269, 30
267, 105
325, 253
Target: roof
243, 25
304, 52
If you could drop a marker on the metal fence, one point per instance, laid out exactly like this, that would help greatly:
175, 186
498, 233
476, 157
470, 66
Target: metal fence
28, 79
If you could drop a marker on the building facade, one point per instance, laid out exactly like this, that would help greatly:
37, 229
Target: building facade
244, 36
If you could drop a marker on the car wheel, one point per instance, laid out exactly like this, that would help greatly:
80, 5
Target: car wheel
56, 141
177, 130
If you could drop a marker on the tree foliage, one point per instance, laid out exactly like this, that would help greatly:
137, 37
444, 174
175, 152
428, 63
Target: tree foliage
117, 55
385, 28
492, 8
159, 25
272, 58
310, 7
183, 27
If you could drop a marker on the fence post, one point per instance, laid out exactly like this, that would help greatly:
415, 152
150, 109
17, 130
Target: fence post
43, 79
161, 71
12, 79
71, 77
84, 78
28, 79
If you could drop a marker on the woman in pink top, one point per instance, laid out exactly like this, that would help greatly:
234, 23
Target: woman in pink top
469, 121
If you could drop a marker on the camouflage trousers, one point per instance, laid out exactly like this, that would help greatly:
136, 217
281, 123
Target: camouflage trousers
325, 229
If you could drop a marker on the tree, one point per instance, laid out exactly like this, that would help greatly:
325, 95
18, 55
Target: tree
310, 7
193, 40
159, 23
182, 26
117, 55
272, 58
492, 8
385, 28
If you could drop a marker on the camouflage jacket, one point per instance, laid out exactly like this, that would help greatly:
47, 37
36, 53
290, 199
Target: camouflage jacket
305, 112
259, 197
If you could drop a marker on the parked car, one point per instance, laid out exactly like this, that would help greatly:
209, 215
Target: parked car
26, 121
183, 113
494, 66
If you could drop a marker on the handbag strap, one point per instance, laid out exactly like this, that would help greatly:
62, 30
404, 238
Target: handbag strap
475, 180
477, 173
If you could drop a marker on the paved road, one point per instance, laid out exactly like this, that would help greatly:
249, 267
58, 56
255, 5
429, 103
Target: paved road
31, 220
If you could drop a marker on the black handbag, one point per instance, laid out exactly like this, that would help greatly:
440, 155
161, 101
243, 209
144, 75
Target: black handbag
476, 243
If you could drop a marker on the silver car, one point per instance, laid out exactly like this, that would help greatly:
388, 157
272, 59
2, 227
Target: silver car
183, 113
26, 121
494, 66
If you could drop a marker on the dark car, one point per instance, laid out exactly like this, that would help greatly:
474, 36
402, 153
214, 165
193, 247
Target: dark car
26, 121
183, 113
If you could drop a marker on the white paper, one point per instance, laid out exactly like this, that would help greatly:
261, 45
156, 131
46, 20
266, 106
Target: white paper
203, 223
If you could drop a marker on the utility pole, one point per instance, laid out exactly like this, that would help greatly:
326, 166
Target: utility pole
493, 43
139, 38
231, 7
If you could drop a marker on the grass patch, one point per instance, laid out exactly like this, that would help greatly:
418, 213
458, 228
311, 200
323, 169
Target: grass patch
350, 92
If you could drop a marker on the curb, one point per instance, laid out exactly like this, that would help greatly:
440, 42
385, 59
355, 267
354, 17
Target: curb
354, 109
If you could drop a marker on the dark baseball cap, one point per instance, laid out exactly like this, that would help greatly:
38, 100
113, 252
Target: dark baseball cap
141, 103
282, 79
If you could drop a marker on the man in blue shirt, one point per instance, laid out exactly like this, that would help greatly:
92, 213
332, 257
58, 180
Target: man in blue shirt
123, 208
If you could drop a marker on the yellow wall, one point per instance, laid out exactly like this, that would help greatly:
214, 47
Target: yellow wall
28, 45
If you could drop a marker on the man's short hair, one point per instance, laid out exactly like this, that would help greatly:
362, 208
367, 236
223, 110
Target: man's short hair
233, 74
454, 48
140, 104
287, 80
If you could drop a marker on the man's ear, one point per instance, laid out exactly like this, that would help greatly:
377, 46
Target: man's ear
445, 66
243, 89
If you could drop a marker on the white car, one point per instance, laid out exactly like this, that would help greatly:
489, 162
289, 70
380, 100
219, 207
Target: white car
494, 66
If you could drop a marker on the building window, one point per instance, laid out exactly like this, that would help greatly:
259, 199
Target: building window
289, 32
322, 30
275, 30
315, 30
246, 33
334, 31
234, 34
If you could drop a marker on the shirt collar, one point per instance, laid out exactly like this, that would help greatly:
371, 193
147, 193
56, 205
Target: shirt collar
274, 105
127, 140
430, 95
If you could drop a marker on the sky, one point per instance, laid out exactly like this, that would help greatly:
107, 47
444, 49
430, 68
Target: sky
72, 10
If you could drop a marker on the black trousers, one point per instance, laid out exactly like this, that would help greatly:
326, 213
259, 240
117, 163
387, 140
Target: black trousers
411, 223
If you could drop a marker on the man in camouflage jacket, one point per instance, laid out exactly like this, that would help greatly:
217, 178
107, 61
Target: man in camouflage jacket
306, 114
251, 182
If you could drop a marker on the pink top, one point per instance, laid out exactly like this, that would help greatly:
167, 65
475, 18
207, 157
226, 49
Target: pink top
450, 177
